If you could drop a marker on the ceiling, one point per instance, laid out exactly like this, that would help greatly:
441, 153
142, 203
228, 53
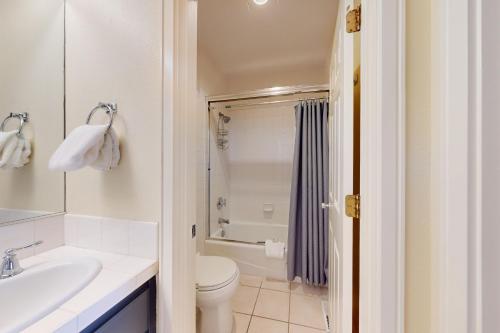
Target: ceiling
240, 37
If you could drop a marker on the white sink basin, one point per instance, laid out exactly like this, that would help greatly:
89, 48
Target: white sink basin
42, 288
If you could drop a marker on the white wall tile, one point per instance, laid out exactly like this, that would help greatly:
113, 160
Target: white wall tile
260, 163
89, 232
50, 230
255, 172
71, 229
115, 236
143, 240
16, 235
135, 238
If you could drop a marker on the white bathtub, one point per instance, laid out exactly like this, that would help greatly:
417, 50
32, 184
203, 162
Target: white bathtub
243, 242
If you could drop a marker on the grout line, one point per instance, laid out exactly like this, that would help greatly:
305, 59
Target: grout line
256, 300
289, 307
289, 323
281, 321
281, 291
314, 328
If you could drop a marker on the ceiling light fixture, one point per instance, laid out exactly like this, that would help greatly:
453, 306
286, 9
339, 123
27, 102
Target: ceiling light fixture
260, 2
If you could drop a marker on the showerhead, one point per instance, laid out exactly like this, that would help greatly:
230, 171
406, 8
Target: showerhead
225, 118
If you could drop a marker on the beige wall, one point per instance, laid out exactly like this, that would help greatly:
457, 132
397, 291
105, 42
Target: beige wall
113, 52
210, 79
32, 80
418, 163
312, 75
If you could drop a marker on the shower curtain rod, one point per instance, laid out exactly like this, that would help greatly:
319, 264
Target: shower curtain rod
242, 105
268, 93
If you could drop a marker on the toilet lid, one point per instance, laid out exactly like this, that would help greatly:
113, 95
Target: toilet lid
214, 272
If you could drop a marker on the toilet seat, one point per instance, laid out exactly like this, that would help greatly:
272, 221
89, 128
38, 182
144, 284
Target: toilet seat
214, 273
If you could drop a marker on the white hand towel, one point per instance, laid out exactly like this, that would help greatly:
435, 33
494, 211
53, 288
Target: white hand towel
20, 155
109, 154
275, 249
79, 149
5, 137
8, 145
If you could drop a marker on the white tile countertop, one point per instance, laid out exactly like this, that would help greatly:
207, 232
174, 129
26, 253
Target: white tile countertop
119, 277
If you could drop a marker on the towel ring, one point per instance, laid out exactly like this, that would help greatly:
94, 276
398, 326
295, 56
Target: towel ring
23, 118
110, 108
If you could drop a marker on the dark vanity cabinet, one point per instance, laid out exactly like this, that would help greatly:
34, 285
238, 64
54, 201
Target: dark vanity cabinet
134, 314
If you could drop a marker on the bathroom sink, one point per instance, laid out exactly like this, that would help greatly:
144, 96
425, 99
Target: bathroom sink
40, 289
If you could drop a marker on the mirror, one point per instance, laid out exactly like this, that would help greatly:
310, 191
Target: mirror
32, 82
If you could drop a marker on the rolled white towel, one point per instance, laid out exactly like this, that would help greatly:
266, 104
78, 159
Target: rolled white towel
14, 150
80, 149
8, 144
20, 155
5, 138
109, 154
275, 249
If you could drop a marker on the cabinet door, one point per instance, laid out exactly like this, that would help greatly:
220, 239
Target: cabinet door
134, 318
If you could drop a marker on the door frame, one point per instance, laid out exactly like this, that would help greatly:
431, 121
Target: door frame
382, 235
382, 171
456, 165
176, 290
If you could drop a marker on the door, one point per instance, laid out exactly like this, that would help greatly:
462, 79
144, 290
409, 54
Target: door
341, 134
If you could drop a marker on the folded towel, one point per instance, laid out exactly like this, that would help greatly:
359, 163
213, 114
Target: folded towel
5, 138
20, 155
109, 154
275, 249
87, 145
14, 150
8, 143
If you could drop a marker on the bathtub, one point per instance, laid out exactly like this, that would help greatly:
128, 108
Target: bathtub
244, 243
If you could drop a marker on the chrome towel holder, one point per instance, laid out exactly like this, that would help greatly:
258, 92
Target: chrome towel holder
110, 108
23, 118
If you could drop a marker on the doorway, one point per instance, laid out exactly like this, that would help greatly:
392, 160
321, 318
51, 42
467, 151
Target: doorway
369, 138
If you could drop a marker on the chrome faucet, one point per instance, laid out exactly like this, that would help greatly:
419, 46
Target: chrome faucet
10, 264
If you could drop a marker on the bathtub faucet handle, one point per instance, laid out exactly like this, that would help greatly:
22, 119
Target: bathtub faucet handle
223, 221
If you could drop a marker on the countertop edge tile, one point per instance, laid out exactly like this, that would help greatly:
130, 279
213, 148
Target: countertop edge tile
107, 294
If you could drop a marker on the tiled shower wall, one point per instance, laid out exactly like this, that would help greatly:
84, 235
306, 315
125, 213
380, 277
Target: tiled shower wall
260, 160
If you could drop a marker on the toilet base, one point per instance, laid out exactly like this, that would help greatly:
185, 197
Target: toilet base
217, 319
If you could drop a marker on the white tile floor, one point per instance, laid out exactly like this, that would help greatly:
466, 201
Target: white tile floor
270, 306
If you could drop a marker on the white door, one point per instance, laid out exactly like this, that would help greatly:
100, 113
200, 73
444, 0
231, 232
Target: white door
341, 176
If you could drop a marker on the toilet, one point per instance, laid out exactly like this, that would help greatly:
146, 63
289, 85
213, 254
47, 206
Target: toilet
217, 279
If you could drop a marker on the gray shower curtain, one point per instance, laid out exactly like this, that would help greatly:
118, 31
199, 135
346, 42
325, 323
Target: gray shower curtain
308, 224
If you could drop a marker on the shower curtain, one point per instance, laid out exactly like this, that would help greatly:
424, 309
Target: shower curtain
308, 224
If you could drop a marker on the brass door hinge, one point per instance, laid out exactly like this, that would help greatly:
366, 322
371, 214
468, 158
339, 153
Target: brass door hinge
353, 20
352, 203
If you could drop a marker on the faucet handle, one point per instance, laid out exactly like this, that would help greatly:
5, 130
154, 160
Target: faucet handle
10, 264
12, 251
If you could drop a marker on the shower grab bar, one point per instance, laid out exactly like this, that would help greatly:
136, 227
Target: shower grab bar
110, 108
23, 118
260, 243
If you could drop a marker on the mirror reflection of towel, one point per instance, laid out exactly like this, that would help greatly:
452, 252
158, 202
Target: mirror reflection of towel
15, 150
